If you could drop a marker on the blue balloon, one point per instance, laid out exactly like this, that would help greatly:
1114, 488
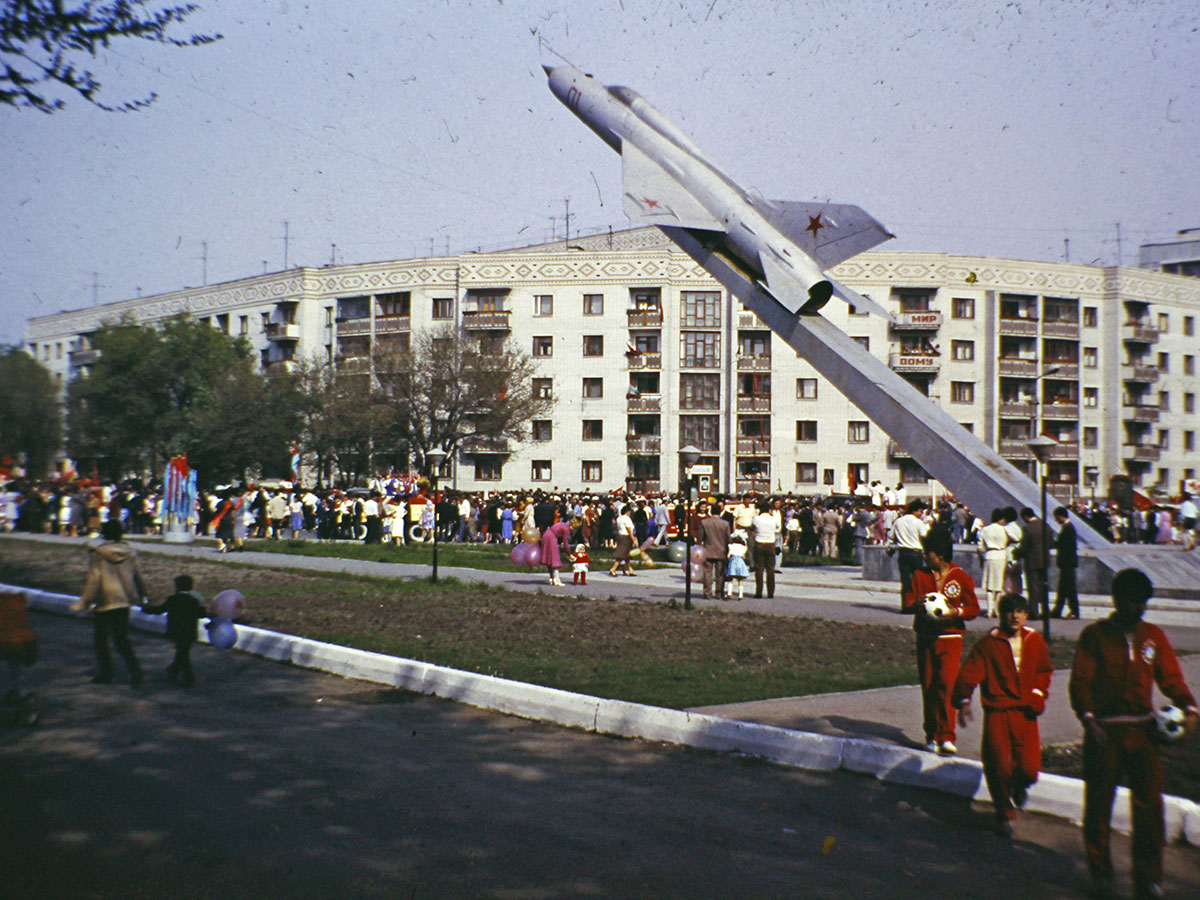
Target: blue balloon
221, 633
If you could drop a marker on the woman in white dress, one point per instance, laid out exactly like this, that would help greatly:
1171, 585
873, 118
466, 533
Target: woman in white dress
993, 541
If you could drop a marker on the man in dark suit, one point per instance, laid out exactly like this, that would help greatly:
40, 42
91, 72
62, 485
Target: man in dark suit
1033, 551
714, 535
1068, 561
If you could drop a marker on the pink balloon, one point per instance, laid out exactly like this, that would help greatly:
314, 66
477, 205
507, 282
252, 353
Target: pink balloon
518, 555
697, 572
533, 554
699, 555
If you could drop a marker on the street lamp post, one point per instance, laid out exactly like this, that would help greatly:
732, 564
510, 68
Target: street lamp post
1041, 447
434, 459
688, 457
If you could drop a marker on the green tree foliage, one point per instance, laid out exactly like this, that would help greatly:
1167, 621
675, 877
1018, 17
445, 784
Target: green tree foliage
41, 41
184, 387
30, 412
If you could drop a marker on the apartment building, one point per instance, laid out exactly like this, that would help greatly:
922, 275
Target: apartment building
644, 353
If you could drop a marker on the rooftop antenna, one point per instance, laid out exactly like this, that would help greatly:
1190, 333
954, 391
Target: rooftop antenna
285, 246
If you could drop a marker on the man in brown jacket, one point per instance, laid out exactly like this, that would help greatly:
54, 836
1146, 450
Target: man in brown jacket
114, 584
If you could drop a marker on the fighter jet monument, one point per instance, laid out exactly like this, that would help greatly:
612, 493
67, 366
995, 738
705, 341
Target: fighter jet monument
774, 256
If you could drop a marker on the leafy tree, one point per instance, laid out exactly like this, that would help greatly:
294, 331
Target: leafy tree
183, 387
30, 412
41, 40
456, 392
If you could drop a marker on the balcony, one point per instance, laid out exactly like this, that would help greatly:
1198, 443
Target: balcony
914, 362
749, 320
349, 326
83, 357
645, 404
643, 485
753, 404
283, 331
645, 318
1140, 413
489, 320
895, 451
280, 366
352, 363
484, 443
754, 446
644, 360
1019, 327
699, 362
1065, 450
643, 443
760, 485
1060, 330
1143, 374
754, 363
1012, 365
1060, 411
918, 321
1137, 333
1016, 409
1141, 452
1068, 368
1015, 447
392, 324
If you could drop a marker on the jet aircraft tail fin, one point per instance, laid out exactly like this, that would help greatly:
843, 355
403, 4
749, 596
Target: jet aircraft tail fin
828, 232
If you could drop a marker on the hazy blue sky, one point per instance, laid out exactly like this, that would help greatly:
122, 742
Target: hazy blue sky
391, 128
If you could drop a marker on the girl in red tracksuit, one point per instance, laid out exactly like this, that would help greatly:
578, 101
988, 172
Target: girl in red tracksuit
939, 641
1011, 666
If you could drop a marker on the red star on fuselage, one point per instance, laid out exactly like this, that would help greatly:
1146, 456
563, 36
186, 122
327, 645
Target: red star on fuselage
815, 224
650, 203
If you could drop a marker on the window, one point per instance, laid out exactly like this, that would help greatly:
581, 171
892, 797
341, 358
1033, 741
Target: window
443, 307
962, 350
754, 343
644, 382
593, 345
858, 432
244, 321
593, 387
349, 308
700, 431
1189, 441
1189, 403
592, 470
397, 303
1091, 397
806, 473
543, 345
1091, 438
699, 391
543, 305
543, 388
593, 304
1189, 325
593, 429
646, 299
540, 470
700, 348
962, 308
1089, 317
962, 392
1189, 365
1164, 322
806, 431
488, 467
1164, 362
827, 476
1089, 357
806, 389
645, 341
754, 384
488, 301
543, 430
701, 309
1164, 401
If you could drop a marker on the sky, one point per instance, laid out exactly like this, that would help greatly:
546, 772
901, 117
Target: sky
1032, 130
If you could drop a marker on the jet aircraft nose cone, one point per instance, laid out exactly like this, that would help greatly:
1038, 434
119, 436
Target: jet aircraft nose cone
547, 69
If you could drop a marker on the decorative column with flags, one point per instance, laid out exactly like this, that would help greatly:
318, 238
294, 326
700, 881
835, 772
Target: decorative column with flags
178, 501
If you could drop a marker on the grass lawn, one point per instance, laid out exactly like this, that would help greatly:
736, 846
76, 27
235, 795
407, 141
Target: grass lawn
641, 652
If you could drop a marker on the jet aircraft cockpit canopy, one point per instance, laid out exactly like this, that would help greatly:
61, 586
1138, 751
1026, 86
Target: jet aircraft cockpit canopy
624, 94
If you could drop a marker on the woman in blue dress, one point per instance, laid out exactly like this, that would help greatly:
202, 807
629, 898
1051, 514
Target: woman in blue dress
506, 523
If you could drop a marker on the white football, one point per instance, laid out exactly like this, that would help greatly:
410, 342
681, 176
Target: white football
936, 606
1168, 722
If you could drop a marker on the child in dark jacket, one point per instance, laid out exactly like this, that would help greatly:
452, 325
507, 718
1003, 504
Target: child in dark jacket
184, 608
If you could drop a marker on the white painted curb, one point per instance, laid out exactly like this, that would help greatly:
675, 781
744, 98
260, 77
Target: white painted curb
1053, 794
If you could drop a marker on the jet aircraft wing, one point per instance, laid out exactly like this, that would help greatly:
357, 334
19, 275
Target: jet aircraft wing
828, 232
654, 196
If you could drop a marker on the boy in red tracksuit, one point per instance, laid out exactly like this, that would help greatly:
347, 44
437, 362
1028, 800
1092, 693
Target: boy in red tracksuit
939, 641
1011, 665
1117, 661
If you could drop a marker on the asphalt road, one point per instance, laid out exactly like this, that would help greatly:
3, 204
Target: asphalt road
267, 781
